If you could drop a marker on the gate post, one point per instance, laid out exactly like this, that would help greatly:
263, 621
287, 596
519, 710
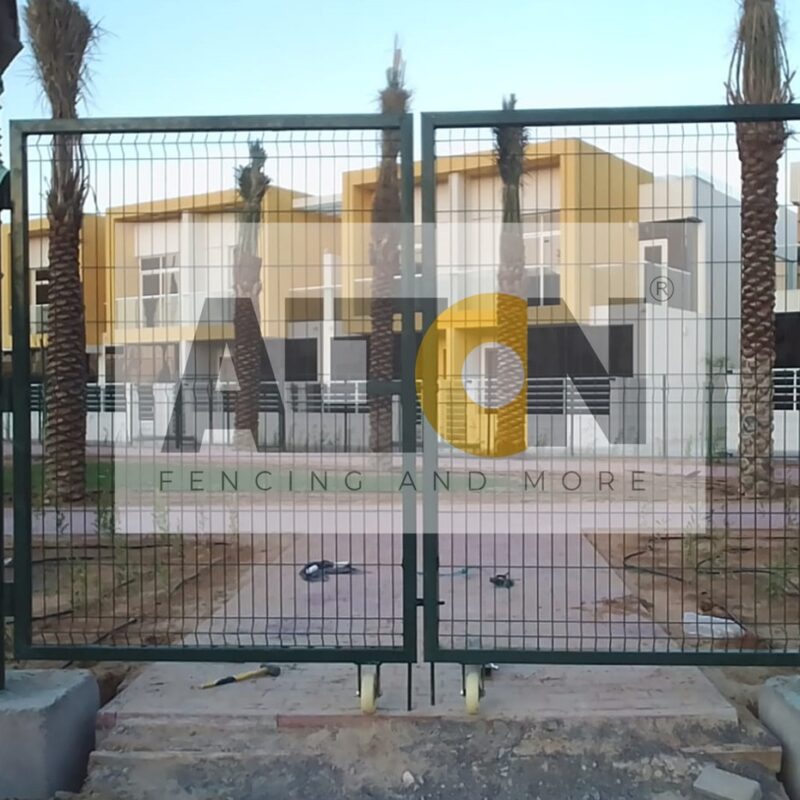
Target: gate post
9, 47
21, 386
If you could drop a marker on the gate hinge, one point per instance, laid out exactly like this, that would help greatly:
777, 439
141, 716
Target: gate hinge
421, 602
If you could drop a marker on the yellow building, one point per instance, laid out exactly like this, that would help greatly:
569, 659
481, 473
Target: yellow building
95, 276
580, 215
169, 257
148, 269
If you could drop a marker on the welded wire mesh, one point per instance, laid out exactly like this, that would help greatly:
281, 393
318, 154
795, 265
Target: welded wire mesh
187, 537
618, 526
615, 529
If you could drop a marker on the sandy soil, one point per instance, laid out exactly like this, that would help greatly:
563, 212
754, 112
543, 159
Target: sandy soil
746, 576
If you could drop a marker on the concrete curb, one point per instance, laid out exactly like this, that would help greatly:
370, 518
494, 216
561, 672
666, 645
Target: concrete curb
47, 730
779, 711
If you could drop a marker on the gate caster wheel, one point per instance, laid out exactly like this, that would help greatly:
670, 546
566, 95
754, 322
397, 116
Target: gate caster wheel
473, 688
368, 691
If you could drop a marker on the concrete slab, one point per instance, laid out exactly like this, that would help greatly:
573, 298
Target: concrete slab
779, 710
565, 595
47, 729
719, 784
313, 695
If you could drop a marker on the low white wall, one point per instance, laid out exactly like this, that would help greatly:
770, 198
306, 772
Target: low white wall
785, 433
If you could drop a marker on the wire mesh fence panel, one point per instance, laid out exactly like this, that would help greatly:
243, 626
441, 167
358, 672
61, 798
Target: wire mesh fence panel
592, 392
191, 323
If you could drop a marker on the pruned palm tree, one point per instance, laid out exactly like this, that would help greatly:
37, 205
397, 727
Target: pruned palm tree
510, 141
61, 36
385, 256
759, 73
252, 185
10, 45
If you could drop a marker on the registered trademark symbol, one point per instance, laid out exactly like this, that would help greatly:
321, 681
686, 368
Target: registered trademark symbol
661, 288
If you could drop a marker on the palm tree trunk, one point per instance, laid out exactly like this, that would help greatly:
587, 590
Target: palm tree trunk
385, 265
248, 344
760, 146
247, 364
385, 260
513, 325
62, 36
512, 310
66, 369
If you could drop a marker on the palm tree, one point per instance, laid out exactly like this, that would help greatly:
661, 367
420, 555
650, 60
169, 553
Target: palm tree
385, 256
759, 73
510, 141
10, 45
62, 36
252, 185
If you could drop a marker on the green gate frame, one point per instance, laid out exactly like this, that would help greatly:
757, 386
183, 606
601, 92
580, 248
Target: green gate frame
407, 653
20, 130
431, 122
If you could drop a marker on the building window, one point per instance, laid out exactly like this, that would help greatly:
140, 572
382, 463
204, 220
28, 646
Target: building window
542, 238
542, 286
653, 254
159, 282
159, 275
301, 360
542, 235
41, 286
656, 253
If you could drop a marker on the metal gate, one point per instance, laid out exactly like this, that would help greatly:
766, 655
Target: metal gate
613, 532
189, 543
578, 478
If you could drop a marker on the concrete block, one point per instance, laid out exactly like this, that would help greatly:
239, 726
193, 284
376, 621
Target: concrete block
779, 711
47, 726
722, 785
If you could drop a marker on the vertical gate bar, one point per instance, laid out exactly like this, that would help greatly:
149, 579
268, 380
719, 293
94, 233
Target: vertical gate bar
430, 438
408, 391
21, 388
2, 495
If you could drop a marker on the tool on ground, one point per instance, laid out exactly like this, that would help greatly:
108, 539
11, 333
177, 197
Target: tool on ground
502, 580
319, 570
449, 573
265, 670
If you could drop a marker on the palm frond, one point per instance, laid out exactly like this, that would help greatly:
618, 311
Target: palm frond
394, 96
759, 69
62, 37
251, 182
252, 185
510, 142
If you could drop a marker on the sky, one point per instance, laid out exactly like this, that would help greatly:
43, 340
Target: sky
176, 57
203, 57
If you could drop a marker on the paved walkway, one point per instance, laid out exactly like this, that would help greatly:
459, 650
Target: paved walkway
565, 597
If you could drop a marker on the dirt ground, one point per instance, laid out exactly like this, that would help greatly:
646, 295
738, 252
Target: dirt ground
436, 760
132, 590
750, 577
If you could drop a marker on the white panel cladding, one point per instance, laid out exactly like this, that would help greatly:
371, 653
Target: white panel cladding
157, 238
